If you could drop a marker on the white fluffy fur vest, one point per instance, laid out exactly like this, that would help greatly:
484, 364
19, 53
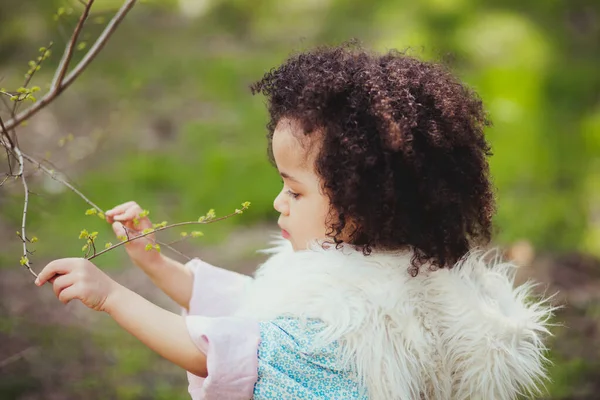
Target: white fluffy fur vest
463, 333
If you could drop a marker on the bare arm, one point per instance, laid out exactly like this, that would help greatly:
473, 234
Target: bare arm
162, 331
172, 277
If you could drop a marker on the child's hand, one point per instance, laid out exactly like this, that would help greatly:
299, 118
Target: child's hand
78, 278
128, 215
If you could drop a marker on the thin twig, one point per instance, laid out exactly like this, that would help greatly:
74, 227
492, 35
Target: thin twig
67, 184
162, 244
85, 61
28, 79
35, 68
5, 134
5, 179
68, 54
210, 221
25, 205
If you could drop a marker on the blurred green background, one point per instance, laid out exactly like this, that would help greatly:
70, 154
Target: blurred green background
164, 116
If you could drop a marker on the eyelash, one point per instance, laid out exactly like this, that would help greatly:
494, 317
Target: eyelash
292, 194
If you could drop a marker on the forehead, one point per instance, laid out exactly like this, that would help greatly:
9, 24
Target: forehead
291, 147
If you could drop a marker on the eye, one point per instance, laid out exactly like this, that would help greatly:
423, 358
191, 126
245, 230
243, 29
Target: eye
292, 194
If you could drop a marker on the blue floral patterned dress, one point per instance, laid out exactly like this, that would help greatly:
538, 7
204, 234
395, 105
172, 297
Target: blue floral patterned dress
291, 367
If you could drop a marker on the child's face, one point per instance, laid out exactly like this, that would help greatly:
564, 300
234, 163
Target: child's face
302, 206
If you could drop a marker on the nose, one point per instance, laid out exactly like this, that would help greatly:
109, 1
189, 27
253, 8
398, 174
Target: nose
281, 205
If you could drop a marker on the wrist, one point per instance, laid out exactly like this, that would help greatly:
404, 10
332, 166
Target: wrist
149, 260
117, 295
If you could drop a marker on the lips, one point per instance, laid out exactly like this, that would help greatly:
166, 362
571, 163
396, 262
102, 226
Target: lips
285, 234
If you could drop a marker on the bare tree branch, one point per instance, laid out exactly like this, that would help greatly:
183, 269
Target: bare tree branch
55, 91
62, 80
68, 54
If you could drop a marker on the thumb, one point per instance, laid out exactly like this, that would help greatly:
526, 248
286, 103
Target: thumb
118, 229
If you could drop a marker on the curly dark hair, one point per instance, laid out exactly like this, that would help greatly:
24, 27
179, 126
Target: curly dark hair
403, 153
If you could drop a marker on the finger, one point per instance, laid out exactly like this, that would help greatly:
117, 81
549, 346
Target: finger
119, 229
129, 214
62, 282
68, 294
62, 266
120, 208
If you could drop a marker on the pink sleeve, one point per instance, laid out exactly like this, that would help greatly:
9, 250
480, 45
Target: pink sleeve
217, 292
231, 348
230, 343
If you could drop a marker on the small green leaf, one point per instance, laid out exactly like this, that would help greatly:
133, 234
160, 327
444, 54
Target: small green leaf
91, 211
83, 234
148, 247
34, 239
183, 234
147, 230
144, 213
196, 234
107, 245
24, 260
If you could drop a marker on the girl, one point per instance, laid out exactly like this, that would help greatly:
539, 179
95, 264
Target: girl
377, 290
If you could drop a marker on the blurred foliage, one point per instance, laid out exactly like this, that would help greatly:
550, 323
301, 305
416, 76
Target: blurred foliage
181, 69
181, 133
